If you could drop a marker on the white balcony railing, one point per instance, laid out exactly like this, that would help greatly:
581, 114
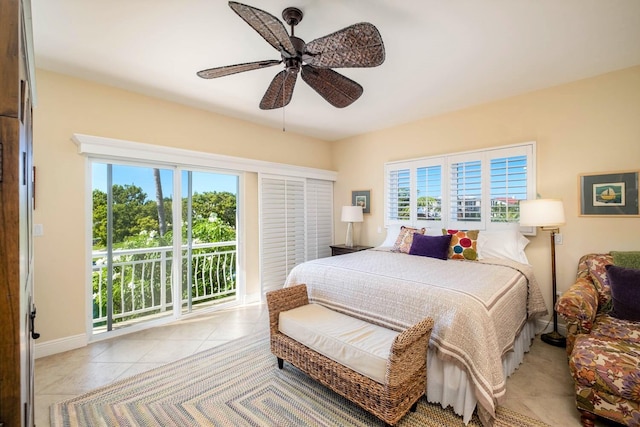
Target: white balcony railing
141, 280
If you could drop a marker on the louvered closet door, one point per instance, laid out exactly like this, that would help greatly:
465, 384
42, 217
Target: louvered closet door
319, 218
282, 229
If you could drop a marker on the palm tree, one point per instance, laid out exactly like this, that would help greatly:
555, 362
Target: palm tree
160, 203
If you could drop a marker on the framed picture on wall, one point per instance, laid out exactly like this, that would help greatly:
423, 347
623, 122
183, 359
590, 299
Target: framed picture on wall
609, 194
362, 198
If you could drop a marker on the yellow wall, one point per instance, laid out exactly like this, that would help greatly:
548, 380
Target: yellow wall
66, 106
587, 126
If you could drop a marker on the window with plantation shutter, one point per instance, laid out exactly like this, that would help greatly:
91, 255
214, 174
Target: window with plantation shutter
429, 194
399, 195
508, 187
296, 225
472, 190
465, 194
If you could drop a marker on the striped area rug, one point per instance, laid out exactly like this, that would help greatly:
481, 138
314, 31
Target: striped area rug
237, 384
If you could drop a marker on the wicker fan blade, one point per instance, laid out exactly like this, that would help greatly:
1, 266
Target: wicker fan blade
359, 45
337, 89
280, 90
213, 73
267, 25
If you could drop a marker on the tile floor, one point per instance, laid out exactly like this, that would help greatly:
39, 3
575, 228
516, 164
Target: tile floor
540, 388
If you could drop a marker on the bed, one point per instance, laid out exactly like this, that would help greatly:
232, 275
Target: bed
484, 314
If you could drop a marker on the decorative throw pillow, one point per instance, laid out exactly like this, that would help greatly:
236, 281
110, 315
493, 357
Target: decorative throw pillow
629, 259
464, 244
430, 246
405, 238
625, 292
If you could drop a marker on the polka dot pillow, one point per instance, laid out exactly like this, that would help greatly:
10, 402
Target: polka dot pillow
464, 244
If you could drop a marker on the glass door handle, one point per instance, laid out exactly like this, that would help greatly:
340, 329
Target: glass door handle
32, 317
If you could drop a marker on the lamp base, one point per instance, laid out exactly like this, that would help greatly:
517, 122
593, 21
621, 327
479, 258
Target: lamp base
349, 240
554, 338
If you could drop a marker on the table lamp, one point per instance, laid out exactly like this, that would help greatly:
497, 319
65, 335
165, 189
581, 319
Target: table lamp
351, 214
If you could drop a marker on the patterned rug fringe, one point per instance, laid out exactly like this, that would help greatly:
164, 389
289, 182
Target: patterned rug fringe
238, 384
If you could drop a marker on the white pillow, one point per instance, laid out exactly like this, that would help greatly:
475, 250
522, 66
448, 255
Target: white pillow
506, 244
433, 232
392, 234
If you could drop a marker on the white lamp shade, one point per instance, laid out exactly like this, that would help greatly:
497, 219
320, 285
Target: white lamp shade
541, 213
351, 214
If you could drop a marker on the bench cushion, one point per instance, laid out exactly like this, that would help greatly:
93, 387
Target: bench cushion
351, 342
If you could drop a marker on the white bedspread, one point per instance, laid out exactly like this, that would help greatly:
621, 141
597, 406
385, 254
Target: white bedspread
478, 307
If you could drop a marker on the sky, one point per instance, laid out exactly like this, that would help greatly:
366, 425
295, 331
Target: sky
143, 177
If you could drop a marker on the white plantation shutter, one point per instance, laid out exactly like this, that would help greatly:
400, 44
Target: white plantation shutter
473, 190
319, 218
429, 196
508, 187
398, 191
296, 224
465, 193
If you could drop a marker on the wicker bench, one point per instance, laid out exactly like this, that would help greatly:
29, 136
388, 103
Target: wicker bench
405, 372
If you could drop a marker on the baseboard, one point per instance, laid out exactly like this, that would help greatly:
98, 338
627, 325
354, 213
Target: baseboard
60, 345
546, 325
252, 298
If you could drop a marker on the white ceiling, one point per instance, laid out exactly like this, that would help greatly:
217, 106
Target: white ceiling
440, 55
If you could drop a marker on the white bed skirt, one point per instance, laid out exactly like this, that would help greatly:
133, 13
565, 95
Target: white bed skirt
448, 385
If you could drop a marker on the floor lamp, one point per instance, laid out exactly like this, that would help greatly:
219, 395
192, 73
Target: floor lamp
548, 214
351, 214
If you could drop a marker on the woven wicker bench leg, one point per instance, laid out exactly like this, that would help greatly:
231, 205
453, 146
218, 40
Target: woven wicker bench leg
414, 407
280, 363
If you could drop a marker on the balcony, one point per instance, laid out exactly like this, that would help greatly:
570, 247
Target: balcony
140, 283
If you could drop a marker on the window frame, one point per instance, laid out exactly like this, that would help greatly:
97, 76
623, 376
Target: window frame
446, 161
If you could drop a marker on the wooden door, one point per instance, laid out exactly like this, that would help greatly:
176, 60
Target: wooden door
16, 207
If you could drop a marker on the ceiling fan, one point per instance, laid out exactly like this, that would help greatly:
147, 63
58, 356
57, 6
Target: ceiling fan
359, 45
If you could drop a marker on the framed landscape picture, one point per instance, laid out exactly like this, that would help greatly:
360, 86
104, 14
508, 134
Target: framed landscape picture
362, 198
609, 194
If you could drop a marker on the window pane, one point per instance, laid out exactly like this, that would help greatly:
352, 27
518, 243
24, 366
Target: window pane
508, 187
399, 194
132, 237
429, 193
209, 256
466, 191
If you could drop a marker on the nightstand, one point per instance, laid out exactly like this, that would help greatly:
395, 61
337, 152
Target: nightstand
342, 249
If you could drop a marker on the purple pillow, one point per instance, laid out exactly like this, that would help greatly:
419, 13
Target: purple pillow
430, 246
625, 292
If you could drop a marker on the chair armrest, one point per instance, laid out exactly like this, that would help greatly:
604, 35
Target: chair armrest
408, 355
282, 300
578, 306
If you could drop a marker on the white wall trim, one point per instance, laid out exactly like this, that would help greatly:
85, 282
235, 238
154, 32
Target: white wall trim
60, 345
121, 149
546, 325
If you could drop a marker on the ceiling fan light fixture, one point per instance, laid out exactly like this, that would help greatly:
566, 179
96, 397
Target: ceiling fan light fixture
359, 45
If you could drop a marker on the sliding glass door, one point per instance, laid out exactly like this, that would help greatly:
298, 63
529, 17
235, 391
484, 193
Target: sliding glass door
209, 252
143, 267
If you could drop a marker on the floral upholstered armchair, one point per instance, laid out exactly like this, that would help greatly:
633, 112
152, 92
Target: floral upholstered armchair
603, 349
